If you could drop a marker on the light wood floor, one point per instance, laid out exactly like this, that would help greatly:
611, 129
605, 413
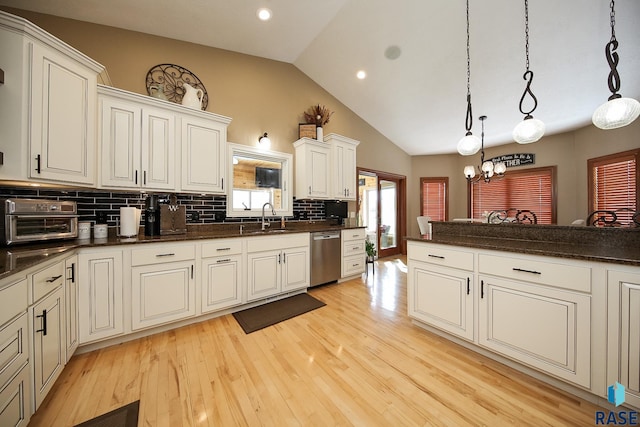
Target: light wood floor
357, 361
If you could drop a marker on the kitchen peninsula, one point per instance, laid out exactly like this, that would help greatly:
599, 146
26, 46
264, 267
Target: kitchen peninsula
559, 303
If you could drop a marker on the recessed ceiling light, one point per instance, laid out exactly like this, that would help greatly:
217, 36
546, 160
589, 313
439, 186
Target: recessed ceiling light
393, 52
264, 14
361, 74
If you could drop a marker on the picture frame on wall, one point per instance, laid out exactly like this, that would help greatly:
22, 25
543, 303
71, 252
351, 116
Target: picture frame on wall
307, 130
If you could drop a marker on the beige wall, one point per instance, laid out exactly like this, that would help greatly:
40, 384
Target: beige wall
260, 95
568, 151
270, 96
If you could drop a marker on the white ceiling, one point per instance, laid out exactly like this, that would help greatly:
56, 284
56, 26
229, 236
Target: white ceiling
418, 100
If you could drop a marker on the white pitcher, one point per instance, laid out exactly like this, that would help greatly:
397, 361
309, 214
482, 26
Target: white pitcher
192, 97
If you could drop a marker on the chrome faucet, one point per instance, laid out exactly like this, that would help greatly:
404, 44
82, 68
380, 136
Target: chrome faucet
266, 224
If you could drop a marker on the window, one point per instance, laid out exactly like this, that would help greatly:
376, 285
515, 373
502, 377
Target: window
613, 183
527, 189
434, 198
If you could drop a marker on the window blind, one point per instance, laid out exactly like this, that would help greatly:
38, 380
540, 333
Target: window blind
613, 183
530, 189
434, 195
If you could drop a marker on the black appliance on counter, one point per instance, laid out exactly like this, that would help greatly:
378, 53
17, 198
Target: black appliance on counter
152, 215
336, 211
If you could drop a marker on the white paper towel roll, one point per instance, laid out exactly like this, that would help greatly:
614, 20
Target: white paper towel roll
129, 221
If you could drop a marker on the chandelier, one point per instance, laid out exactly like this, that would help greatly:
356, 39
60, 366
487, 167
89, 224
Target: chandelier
487, 168
469, 144
617, 111
529, 129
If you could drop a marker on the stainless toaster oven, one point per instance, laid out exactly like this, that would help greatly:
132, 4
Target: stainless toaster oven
34, 220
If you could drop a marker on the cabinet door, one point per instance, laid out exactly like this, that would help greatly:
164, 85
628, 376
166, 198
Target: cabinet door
162, 293
203, 155
71, 306
624, 333
120, 143
546, 328
295, 269
63, 124
15, 401
47, 318
221, 279
441, 297
344, 171
100, 303
158, 149
264, 274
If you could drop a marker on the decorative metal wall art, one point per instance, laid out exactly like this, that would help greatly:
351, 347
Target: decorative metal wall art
170, 77
624, 217
519, 216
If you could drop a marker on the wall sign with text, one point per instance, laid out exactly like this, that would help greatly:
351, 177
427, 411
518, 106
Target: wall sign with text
519, 159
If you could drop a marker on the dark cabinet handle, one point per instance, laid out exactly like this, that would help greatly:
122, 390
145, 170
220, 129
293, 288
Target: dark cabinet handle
220, 261
136, 177
38, 163
436, 256
192, 271
481, 289
144, 178
284, 258
168, 254
468, 287
44, 322
73, 272
53, 279
222, 182
526, 271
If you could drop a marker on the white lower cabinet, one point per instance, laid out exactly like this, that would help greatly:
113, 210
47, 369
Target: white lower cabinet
100, 295
15, 400
276, 265
162, 285
546, 328
49, 355
71, 306
442, 297
623, 310
353, 252
221, 268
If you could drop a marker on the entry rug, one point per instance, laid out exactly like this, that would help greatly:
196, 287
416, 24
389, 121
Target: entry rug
256, 318
125, 416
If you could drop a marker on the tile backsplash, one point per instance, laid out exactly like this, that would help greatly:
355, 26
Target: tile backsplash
208, 209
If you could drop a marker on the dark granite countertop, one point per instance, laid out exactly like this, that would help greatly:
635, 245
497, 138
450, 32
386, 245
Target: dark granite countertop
14, 259
620, 246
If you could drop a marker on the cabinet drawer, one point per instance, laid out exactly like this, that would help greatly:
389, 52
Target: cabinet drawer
221, 247
353, 265
353, 248
274, 243
13, 300
160, 254
555, 274
353, 234
15, 400
435, 254
13, 348
46, 280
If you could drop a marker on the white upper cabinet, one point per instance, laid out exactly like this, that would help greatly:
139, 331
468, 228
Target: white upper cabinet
326, 170
343, 170
48, 110
313, 159
203, 154
138, 143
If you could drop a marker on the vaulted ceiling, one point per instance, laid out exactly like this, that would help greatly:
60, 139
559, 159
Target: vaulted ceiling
414, 54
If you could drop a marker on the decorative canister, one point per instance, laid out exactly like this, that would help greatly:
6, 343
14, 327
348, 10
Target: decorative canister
100, 231
84, 230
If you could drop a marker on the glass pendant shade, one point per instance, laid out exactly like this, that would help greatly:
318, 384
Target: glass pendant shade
487, 166
616, 113
469, 145
529, 130
469, 171
500, 168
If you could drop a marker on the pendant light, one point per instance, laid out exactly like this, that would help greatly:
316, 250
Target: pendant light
529, 129
469, 144
617, 111
487, 168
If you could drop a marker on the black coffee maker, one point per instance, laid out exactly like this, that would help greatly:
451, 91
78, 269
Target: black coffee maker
152, 215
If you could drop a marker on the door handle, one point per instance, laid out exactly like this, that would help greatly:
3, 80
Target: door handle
53, 279
136, 177
526, 271
73, 272
481, 289
38, 163
43, 316
468, 288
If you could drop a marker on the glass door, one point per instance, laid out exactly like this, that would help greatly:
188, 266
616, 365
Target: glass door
381, 202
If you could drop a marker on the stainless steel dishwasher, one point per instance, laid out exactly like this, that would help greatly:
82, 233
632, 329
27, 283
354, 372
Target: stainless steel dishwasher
325, 257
